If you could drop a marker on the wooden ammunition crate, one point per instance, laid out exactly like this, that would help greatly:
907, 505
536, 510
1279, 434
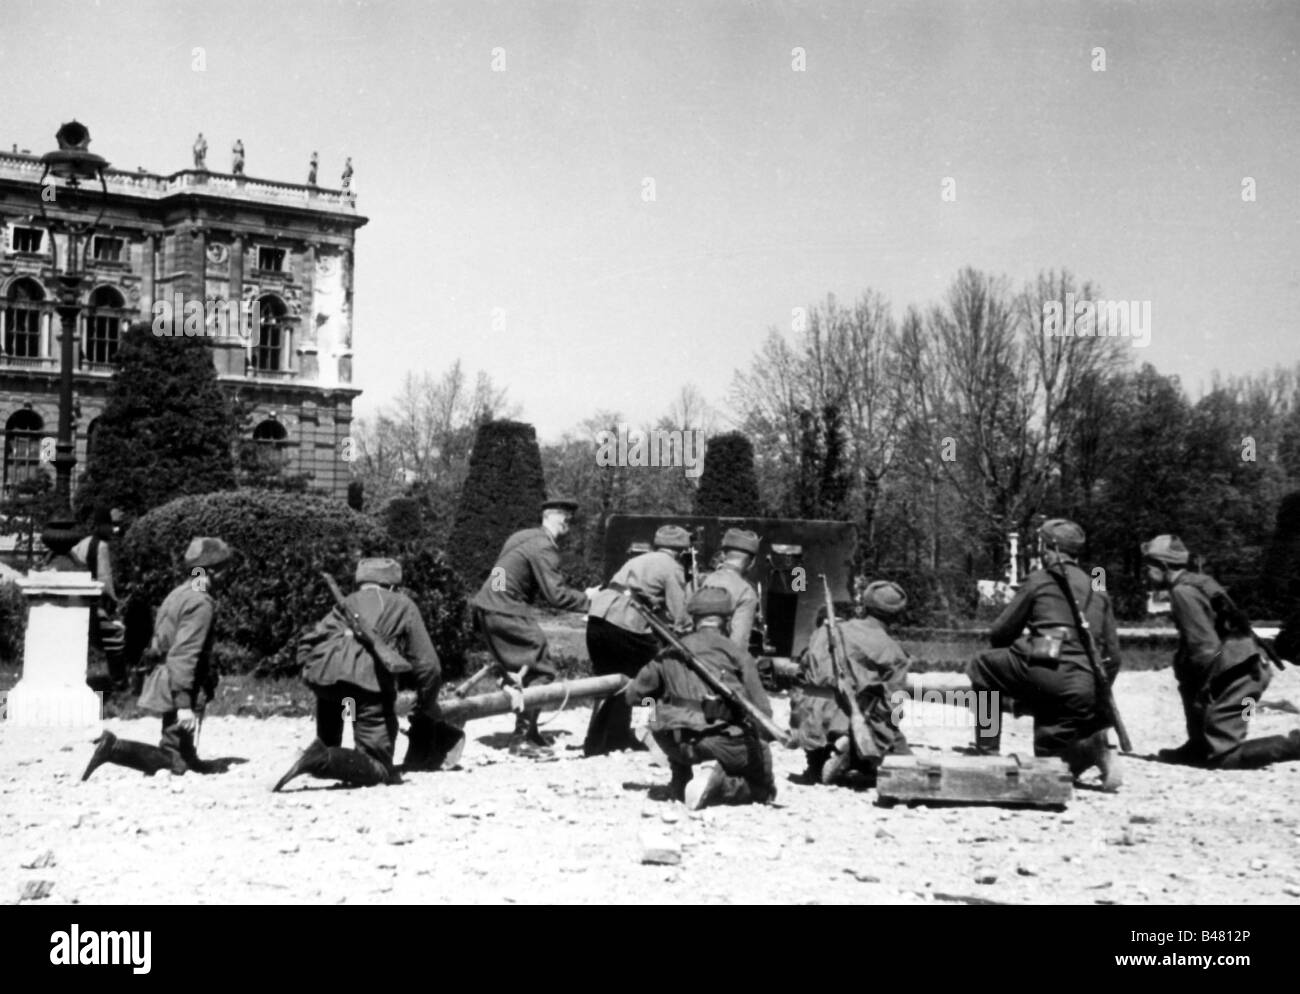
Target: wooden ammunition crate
1008, 780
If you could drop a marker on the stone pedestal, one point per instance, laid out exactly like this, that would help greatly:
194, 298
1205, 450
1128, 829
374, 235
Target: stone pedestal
53, 691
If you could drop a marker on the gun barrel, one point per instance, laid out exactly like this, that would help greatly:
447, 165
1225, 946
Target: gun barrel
544, 697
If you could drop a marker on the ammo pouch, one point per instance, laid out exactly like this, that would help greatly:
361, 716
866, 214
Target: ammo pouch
715, 709
1045, 646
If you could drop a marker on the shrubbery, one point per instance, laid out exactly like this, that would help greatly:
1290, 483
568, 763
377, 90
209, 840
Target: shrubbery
503, 493
13, 623
272, 589
728, 486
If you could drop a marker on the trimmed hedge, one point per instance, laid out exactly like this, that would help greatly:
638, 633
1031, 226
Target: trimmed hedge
272, 590
503, 493
728, 486
13, 623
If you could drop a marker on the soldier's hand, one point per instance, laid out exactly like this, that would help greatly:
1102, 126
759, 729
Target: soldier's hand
185, 720
591, 592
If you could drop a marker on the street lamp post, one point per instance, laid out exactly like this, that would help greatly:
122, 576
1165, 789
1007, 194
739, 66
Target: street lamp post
73, 164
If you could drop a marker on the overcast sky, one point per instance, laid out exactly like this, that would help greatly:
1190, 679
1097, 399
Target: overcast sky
524, 189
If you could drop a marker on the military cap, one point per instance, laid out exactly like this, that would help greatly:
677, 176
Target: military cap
384, 571
710, 600
741, 540
206, 552
672, 537
884, 597
1165, 549
1064, 534
103, 516
560, 504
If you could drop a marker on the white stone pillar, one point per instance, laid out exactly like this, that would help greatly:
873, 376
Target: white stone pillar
1015, 559
53, 691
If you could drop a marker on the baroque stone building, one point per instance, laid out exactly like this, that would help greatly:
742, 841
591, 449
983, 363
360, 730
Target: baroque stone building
282, 250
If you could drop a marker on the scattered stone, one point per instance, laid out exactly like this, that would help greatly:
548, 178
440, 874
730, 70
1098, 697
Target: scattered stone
862, 878
1291, 891
1026, 871
882, 834
399, 838
291, 847
671, 815
36, 890
659, 848
40, 861
1142, 820
1258, 864
985, 875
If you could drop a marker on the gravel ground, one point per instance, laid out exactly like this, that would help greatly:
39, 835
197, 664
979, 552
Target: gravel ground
501, 829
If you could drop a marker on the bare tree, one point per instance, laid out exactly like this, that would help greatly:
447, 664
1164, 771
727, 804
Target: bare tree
422, 439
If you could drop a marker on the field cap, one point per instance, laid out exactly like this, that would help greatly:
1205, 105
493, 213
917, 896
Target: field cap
206, 552
884, 597
560, 504
1168, 550
741, 540
379, 570
1064, 534
672, 537
710, 600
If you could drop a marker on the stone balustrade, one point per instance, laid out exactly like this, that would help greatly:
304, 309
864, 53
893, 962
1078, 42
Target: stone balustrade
152, 186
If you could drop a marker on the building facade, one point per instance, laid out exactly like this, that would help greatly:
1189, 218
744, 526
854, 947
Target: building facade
201, 244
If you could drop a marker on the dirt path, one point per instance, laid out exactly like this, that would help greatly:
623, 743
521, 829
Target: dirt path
508, 830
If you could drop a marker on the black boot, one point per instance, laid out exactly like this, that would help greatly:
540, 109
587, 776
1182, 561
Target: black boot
1187, 754
815, 759
433, 745
1255, 753
355, 767
133, 755
527, 740
312, 761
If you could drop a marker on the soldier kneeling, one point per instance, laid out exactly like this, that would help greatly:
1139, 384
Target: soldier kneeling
183, 679
876, 665
695, 727
338, 668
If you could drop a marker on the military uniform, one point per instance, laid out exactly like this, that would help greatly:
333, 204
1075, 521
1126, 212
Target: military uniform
1218, 668
619, 639
878, 667
692, 726
526, 571
731, 578
1061, 693
338, 668
183, 677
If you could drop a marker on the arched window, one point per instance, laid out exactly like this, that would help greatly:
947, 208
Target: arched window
268, 352
269, 432
104, 323
22, 319
272, 442
22, 447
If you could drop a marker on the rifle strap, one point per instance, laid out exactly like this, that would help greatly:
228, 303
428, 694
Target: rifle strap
1080, 622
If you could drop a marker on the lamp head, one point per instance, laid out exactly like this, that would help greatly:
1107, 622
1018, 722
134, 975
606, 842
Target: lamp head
72, 161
